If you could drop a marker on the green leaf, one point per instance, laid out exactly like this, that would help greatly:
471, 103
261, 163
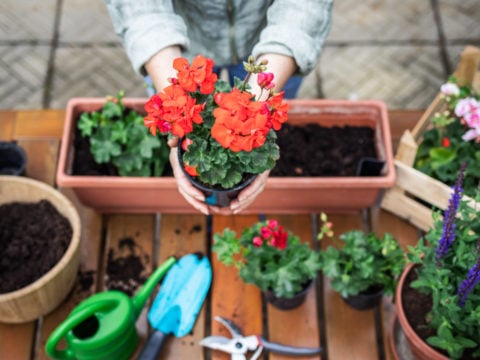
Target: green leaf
87, 123
103, 149
111, 110
441, 156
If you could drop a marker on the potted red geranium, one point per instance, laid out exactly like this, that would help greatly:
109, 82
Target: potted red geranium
227, 136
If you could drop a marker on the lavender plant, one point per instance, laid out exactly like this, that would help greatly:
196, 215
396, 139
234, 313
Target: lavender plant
448, 271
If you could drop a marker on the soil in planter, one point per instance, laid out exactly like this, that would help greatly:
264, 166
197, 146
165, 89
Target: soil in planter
33, 238
416, 305
314, 150
310, 150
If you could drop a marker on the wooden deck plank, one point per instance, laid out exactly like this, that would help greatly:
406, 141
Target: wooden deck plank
16, 340
406, 234
302, 321
350, 333
42, 155
39, 123
181, 235
7, 124
128, 260
231, 298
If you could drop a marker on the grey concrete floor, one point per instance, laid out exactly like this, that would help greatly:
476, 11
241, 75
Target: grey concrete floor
396, 51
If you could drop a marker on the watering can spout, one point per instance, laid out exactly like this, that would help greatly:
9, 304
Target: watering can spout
140, 299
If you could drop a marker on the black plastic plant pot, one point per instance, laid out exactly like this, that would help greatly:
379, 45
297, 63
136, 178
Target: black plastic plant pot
213, 196
288, 303
367, 300
12, 159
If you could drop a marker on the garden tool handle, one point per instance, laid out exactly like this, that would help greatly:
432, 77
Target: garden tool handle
152, 348
288, 350
68, 324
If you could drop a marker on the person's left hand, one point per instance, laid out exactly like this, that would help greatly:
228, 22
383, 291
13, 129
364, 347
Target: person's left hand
249, 194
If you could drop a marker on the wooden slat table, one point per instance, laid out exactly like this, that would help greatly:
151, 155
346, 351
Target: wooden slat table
323, 320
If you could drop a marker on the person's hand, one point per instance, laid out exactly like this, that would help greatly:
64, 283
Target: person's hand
197, 199
248, 195
193, 195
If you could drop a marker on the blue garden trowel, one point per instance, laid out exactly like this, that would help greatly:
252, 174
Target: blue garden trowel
178, 302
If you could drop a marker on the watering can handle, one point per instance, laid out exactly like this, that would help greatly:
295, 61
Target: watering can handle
141, 298
68, 324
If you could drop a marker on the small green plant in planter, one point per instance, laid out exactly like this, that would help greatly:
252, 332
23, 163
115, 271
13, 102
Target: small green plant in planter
269, 257
361, 264
117, 135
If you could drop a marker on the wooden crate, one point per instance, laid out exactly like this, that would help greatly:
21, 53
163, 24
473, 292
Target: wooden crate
415, 193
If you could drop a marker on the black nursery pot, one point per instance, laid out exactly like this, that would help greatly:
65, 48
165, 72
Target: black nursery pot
12, 159
288, 303
366, 300
215, 197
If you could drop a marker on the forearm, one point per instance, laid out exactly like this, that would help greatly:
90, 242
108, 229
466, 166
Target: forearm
160, 66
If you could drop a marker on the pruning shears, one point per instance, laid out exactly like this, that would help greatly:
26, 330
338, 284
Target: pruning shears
238, 345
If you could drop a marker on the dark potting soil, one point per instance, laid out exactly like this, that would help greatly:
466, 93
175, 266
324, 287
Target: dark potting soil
33, 238
314, 150
310, 150
126, 267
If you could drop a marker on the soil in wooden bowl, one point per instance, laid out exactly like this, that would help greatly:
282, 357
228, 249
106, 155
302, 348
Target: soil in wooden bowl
310, 150
33, 238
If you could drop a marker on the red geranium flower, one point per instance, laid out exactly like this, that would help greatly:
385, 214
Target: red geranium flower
446, 142
175, 107
279, 111
239, 122
199, 74
191, 170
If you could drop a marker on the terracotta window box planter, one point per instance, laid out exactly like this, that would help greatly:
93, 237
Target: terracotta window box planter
281, 194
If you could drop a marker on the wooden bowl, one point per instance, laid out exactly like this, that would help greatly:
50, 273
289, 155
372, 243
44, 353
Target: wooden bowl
46, 293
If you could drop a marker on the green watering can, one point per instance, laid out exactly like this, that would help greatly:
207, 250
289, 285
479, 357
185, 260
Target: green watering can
103, 325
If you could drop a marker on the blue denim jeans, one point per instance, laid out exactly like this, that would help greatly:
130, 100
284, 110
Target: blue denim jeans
290, 88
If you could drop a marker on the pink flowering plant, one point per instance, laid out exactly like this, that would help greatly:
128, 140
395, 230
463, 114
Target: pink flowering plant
454, 138
269, 256
448, 270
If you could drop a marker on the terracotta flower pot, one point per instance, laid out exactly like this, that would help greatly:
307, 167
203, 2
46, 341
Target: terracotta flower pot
46, 293
419, 348
281, 194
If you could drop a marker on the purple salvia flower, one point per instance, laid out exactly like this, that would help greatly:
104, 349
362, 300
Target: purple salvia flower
467, 285
448, 231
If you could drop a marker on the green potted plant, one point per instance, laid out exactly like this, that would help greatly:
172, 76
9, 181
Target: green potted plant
362, 267
454, 138
438, 301
271, 258
227, 136
116, 136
